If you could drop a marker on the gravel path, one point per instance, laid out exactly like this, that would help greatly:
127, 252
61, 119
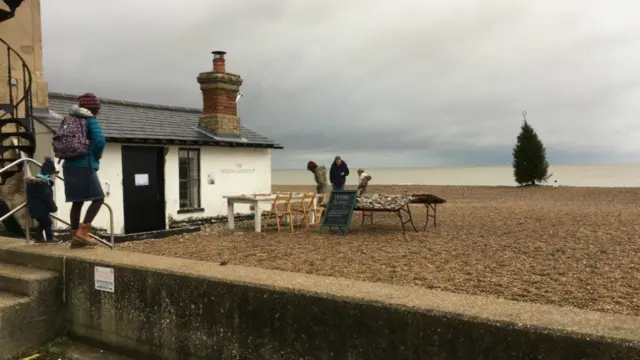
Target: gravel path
568, 246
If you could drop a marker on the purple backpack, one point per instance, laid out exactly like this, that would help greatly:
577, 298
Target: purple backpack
71, 139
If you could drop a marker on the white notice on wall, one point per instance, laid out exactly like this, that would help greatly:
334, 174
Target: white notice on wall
104, 278
142, 179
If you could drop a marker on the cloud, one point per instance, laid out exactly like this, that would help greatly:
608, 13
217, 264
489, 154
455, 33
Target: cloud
407, 82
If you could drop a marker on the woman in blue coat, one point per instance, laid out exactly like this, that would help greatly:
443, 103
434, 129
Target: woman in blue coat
81, 183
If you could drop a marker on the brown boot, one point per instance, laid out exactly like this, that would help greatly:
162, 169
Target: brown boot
83, 235
77, 244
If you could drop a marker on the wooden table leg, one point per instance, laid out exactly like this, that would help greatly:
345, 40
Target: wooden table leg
367, 214
426, 221
406, 209
429, 208
312, 217
435, 214
230, 215
257, 217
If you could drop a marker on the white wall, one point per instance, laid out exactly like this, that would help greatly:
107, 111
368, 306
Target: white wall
44, 147
222, 164
110, 175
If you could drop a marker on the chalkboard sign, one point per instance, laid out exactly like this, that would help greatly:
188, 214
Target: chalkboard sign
340, 209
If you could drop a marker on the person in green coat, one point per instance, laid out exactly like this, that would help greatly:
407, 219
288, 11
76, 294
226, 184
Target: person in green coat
320, 176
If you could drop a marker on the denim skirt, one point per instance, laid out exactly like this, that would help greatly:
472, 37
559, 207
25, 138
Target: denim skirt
81, 184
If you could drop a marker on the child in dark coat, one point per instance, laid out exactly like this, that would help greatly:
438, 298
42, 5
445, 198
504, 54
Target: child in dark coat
40, 199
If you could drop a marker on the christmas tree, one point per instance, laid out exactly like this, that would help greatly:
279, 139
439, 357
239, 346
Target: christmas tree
530, 164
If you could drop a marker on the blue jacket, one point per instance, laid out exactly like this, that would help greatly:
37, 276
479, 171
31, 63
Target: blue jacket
40, 201
335, 171
95, 135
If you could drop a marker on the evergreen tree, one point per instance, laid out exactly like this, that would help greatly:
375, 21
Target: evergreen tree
530, 164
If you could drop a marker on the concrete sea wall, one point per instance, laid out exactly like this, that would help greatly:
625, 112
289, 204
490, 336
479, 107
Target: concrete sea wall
170, 308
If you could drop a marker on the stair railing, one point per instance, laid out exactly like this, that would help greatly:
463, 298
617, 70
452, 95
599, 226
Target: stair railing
13, 108
111, 244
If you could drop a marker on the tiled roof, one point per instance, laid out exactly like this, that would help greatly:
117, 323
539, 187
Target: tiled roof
125, 121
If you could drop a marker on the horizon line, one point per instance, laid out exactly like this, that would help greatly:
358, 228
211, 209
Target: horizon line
467, 166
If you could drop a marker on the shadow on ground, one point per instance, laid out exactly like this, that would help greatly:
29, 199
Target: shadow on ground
65, 349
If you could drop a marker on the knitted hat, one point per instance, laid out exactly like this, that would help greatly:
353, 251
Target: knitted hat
311, 166
89, 101
48, 167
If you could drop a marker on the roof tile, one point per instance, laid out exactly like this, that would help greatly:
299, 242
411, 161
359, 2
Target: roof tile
122, 120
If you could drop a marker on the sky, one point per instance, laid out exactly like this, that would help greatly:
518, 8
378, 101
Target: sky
381, 83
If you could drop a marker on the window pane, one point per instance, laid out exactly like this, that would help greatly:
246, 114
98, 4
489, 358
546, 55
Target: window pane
193, 165
184, 204
183, 167
194, 193
184, 194
189, 177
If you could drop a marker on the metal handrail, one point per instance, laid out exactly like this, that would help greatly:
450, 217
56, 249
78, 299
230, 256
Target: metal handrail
18, 162
18, 208
111, 244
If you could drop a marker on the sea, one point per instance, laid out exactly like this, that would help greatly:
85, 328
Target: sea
614, 175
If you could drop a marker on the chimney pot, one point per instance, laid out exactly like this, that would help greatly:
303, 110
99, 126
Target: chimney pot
218, 61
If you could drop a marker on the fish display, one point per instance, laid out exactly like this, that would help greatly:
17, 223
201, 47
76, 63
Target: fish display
381, 201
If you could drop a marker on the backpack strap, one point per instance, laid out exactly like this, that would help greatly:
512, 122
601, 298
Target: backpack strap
84, 128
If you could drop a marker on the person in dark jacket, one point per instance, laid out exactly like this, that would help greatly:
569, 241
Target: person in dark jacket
81, 183
40, 201
338, 173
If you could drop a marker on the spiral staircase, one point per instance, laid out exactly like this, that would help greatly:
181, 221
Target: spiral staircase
16, 103
8, 14
17, 136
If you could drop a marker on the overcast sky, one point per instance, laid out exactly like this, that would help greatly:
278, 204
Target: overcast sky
382, 83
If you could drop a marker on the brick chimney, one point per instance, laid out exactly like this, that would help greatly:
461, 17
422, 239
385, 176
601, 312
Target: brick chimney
219, 92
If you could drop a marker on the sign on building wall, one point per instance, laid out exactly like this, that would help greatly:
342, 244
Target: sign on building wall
104, 278
238, 169
142, 179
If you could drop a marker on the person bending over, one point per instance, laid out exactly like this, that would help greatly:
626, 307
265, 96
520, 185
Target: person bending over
320, 177
363, 181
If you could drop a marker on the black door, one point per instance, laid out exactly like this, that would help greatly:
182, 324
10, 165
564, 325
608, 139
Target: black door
143, 188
